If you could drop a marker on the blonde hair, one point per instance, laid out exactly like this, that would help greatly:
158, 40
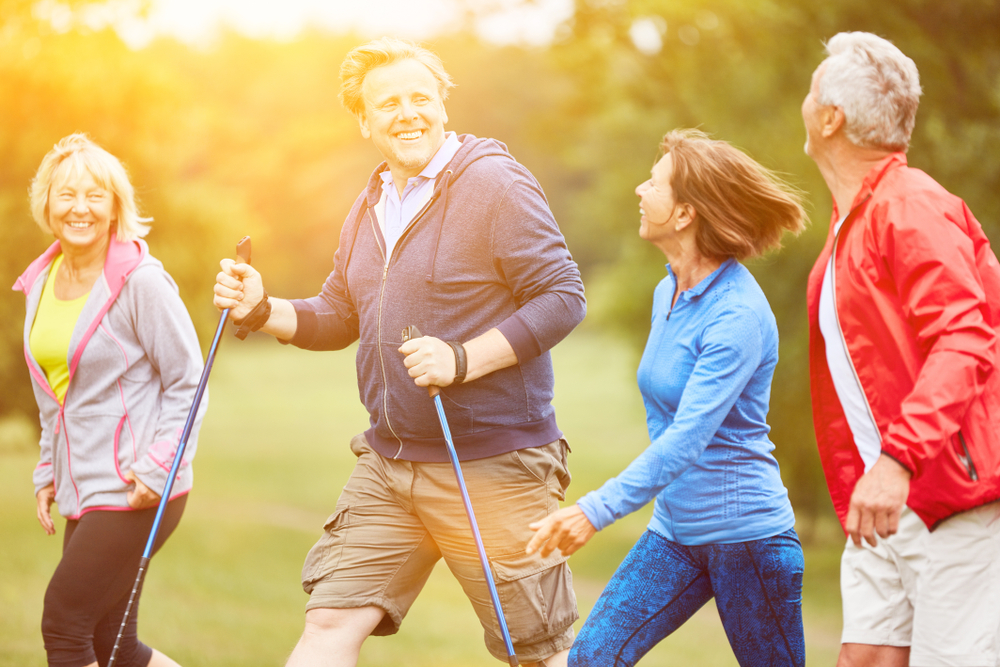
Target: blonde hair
743, 208
82, 153
385, 51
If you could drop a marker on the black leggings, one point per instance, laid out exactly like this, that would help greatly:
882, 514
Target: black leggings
88, 592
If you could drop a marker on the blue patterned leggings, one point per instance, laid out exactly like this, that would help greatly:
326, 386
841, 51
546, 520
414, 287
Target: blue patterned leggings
757, 588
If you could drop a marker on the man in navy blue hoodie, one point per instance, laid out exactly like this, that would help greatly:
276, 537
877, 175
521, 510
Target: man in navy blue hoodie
456, 237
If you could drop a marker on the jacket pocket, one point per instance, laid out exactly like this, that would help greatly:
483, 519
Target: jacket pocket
965, 456
324, 556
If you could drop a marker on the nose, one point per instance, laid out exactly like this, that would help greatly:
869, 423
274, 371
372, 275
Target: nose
641, 188
80, 204
407, 110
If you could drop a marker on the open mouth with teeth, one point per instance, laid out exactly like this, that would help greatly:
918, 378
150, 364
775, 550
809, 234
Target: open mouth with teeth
77, 224
410, 136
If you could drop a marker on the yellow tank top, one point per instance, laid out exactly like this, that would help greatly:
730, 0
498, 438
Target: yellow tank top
52, 330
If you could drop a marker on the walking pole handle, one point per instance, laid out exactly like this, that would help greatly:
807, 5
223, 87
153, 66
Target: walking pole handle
243, 251
413, 332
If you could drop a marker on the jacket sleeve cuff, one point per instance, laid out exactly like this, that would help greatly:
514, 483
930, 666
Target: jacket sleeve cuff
43, 476
596, 512
306, 326
522, 339
153, 469
906, 461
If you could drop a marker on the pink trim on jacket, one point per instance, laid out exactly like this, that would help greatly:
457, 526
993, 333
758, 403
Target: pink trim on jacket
112, 508
69, 455
118, 432
121, 260
121, 394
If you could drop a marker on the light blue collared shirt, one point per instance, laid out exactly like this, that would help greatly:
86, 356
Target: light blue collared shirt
399, 211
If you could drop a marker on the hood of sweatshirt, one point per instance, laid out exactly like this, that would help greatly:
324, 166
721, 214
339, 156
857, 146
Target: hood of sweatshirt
122, 259
473, 149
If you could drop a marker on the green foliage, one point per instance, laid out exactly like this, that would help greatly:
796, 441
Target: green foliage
739, 70
247, 137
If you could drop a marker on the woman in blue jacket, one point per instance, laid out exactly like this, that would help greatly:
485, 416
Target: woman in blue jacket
722, 525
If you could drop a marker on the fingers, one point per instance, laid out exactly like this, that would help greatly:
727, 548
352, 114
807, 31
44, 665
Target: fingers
893, 522
566, 530
429, 361
877, 501
45, 518
238, 287
140, 496
543, 531
45, 497
867, 527
852, 524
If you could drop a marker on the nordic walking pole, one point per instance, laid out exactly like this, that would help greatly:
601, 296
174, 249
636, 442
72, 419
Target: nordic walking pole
435, 392
242, 256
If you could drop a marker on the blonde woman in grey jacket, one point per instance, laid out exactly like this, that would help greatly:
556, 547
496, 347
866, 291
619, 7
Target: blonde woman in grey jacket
114, 362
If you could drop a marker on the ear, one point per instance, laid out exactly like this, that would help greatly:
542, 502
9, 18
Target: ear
363, 123
832, 118
444, 114
685, 216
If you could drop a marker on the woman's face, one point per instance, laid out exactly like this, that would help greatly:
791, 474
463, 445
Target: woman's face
81, 212
656, 201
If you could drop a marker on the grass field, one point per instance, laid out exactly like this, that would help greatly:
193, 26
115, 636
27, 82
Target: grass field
272, 459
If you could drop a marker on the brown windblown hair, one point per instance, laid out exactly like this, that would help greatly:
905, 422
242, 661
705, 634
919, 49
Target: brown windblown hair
743, 207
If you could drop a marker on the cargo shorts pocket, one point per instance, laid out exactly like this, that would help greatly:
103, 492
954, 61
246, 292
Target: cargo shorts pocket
324, 556
538, 600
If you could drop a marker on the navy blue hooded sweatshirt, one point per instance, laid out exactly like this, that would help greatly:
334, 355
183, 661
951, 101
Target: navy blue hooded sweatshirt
484, 252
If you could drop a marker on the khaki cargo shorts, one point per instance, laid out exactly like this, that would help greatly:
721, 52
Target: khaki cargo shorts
395, 519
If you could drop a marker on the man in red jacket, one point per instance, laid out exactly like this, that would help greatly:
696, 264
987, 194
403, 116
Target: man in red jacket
904, 315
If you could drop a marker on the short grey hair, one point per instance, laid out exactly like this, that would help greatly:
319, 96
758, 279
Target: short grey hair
385, 51
876, 85
83, 154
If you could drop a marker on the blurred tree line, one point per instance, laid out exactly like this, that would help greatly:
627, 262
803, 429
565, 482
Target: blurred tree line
247, 137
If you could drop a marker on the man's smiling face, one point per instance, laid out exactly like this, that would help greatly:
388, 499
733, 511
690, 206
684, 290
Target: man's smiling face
404, 115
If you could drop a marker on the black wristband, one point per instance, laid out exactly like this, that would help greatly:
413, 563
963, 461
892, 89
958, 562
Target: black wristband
461, 363
255, 319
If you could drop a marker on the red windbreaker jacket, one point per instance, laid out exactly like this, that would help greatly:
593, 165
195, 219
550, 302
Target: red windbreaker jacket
918, 302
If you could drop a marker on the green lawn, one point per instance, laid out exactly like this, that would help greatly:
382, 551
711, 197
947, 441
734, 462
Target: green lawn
273, 456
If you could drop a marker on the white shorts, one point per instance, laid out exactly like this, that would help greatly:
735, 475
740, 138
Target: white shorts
936, 592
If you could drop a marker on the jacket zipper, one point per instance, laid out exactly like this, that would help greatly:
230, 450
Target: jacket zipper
378, 341
381, 296
836, 313
969, 465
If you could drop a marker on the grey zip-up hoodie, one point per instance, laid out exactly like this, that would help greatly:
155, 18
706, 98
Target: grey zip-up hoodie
134, 366
484, 252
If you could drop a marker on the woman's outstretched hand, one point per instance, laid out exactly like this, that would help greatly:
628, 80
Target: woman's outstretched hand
566, 530
45, 497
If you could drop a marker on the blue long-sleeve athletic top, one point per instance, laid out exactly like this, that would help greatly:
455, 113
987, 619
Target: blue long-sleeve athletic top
705, 379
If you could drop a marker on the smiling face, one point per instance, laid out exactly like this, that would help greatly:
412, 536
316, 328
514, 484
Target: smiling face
656, 201
81, 212
404, 115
